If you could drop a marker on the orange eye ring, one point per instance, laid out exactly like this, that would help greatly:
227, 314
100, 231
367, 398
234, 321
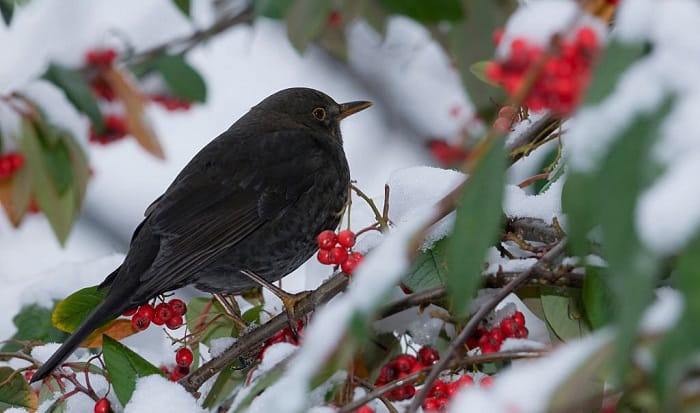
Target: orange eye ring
319, 113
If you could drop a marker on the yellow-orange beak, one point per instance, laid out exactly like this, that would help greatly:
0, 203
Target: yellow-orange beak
347, 109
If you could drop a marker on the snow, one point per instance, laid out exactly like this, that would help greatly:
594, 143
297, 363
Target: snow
274, 355
545, 206
663, 314
219, 345
413, 188
154, 393
529, 386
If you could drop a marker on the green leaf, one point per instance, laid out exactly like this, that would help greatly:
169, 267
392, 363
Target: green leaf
579, 190
7, 9
226, 382
477, 226
57, 159
478, 69
632, 268
201, 311
74, 309
79, 164
274, 9
563, 312
33, 322
618, 57
77, 91
470, 42
60, 208
124, 367
596, 301
678, 349
426, 11
16, 393
305, 21
184, 6
429, 269
182, 79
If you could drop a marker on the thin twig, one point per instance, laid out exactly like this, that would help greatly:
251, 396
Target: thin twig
458, 342
377, 215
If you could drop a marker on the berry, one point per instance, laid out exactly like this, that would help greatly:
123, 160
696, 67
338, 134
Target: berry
174, 322
10, 163
164, 311
178, 306
431, 404
438, 390
171, 103
100, 57
519, 318
143, 317
428, 356
364, 409
324, 257
114, 129
404, 362
502, 125
587, 39
158, 320
488, 348
326, 240
335, 19
405, 288
465, 381
129, 313
509, 327
348, 266
346, 238
496, 335
338, 255
28, 375
486, 381
102, 406
184, 357
522, 332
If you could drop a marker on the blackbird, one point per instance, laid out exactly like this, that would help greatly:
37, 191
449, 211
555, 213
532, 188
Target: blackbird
251, 202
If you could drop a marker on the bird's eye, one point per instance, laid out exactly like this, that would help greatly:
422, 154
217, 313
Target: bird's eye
319, 113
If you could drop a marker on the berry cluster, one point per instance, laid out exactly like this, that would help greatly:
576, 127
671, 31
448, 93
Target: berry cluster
10, 163
441, 392
490, 340
114, 129
336, 249
100, 58
102, 406
183, 361
169, 313
285, 335
563, 79
402, 366
446, 154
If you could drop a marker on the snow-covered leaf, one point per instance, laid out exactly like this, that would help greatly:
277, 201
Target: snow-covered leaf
429, 269
124, 367
479, 216
77, 91
17, 392
33, 322
615, 61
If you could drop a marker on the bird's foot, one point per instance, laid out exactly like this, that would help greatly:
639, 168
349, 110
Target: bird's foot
233, 311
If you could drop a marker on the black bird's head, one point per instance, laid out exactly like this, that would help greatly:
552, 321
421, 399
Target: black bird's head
308, 108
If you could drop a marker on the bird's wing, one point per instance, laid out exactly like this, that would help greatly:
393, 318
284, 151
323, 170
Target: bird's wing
214, 204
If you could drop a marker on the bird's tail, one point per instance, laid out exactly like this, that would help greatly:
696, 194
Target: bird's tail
103, 312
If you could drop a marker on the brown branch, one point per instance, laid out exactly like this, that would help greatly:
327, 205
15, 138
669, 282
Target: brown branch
533, 229
554, 253
251, 342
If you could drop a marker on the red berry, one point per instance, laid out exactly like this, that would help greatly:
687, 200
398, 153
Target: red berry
178, 306
184, 357
348, 266
488, 348
164, 311
129, 313
140, 322
174, 322
465, 381
438, 390
387, 373
346, 238
324, 257
100, 57
522, 332
180, 372
509, 327
431, 404
486, 381
587, 39
496, 335
158, 320
28, 375
338, 255
364, 409
502, 125
335, 19
326, 240
404, 362
428, 356
102, 406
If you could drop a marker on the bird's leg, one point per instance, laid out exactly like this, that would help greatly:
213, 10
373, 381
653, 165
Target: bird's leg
231, 309
289, 300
